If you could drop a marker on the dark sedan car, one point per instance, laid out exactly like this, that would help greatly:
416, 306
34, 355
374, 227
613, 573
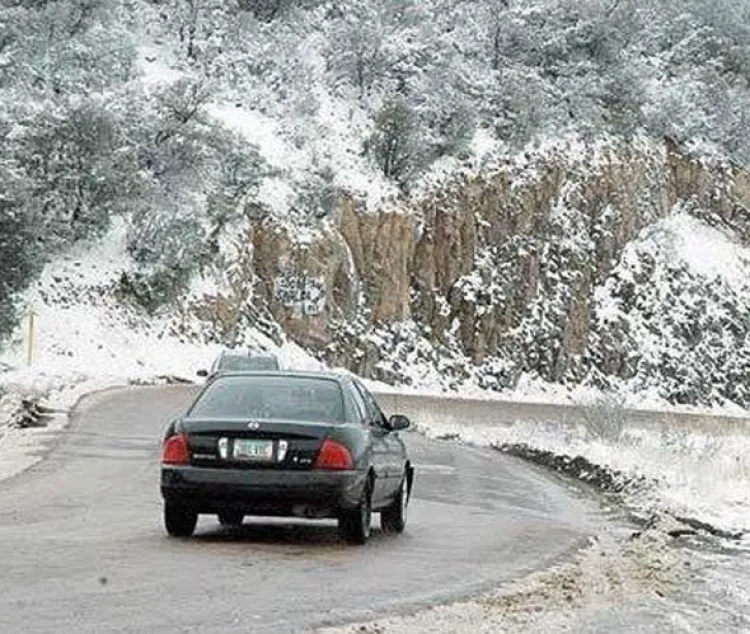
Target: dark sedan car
311, 445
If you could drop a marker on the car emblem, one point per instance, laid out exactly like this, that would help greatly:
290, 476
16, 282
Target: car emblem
253, 425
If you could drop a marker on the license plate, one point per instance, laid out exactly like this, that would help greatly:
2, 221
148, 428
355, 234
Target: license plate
253, 449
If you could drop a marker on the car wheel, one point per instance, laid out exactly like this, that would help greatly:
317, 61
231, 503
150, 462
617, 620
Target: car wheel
393, 517
231, 518
179, 521
354, 525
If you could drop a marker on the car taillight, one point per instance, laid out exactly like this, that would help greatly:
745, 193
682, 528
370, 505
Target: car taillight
334, 456
175, 450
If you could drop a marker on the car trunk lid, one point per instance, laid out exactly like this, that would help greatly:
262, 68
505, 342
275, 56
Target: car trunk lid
254, 443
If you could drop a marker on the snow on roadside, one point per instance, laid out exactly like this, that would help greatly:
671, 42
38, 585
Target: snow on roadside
23, 448
532, 390
686, 473
609, 573
82, 330
616, 585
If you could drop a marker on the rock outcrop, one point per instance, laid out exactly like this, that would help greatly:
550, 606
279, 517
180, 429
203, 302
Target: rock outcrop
496, 266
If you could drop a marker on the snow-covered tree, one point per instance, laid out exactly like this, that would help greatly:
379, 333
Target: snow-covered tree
395, 145
75, 172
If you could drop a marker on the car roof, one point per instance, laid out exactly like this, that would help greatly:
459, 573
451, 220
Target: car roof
299, 374
252, 354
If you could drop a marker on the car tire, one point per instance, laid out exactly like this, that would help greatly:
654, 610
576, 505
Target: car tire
393, 517
231, 518
355, 524
179, 521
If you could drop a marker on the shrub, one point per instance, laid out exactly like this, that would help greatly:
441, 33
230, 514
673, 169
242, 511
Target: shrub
20, 259
152, 290
605, 418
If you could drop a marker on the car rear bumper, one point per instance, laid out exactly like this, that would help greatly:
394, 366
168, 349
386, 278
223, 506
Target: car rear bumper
261, 491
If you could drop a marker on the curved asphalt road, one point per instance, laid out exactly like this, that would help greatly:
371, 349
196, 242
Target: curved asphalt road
82, 547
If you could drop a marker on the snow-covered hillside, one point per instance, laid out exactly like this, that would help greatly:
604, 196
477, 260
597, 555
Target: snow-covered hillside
677, 307
188, 116
228, 141
85, 339
82, 329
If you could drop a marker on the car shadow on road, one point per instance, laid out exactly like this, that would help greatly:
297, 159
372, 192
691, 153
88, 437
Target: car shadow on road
282, 533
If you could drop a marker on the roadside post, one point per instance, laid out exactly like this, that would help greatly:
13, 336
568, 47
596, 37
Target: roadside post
31, 335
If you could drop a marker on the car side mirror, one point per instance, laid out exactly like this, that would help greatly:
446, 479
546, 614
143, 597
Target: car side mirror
397, 422
202, 373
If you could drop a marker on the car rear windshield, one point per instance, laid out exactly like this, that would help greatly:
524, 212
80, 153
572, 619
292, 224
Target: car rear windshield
236, 363
271, 398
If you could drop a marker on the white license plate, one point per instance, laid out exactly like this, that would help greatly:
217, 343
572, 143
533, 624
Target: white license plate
253, 449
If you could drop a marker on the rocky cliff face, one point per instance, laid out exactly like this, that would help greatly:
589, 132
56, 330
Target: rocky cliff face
494, 271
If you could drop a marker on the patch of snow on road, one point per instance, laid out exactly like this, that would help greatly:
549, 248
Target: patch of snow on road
23, 448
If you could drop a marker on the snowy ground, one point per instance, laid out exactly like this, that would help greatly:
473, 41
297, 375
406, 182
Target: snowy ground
667, 575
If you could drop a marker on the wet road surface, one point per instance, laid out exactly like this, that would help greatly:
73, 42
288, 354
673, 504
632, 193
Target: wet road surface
82, 548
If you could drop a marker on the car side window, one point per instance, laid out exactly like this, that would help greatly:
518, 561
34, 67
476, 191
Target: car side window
374, 413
